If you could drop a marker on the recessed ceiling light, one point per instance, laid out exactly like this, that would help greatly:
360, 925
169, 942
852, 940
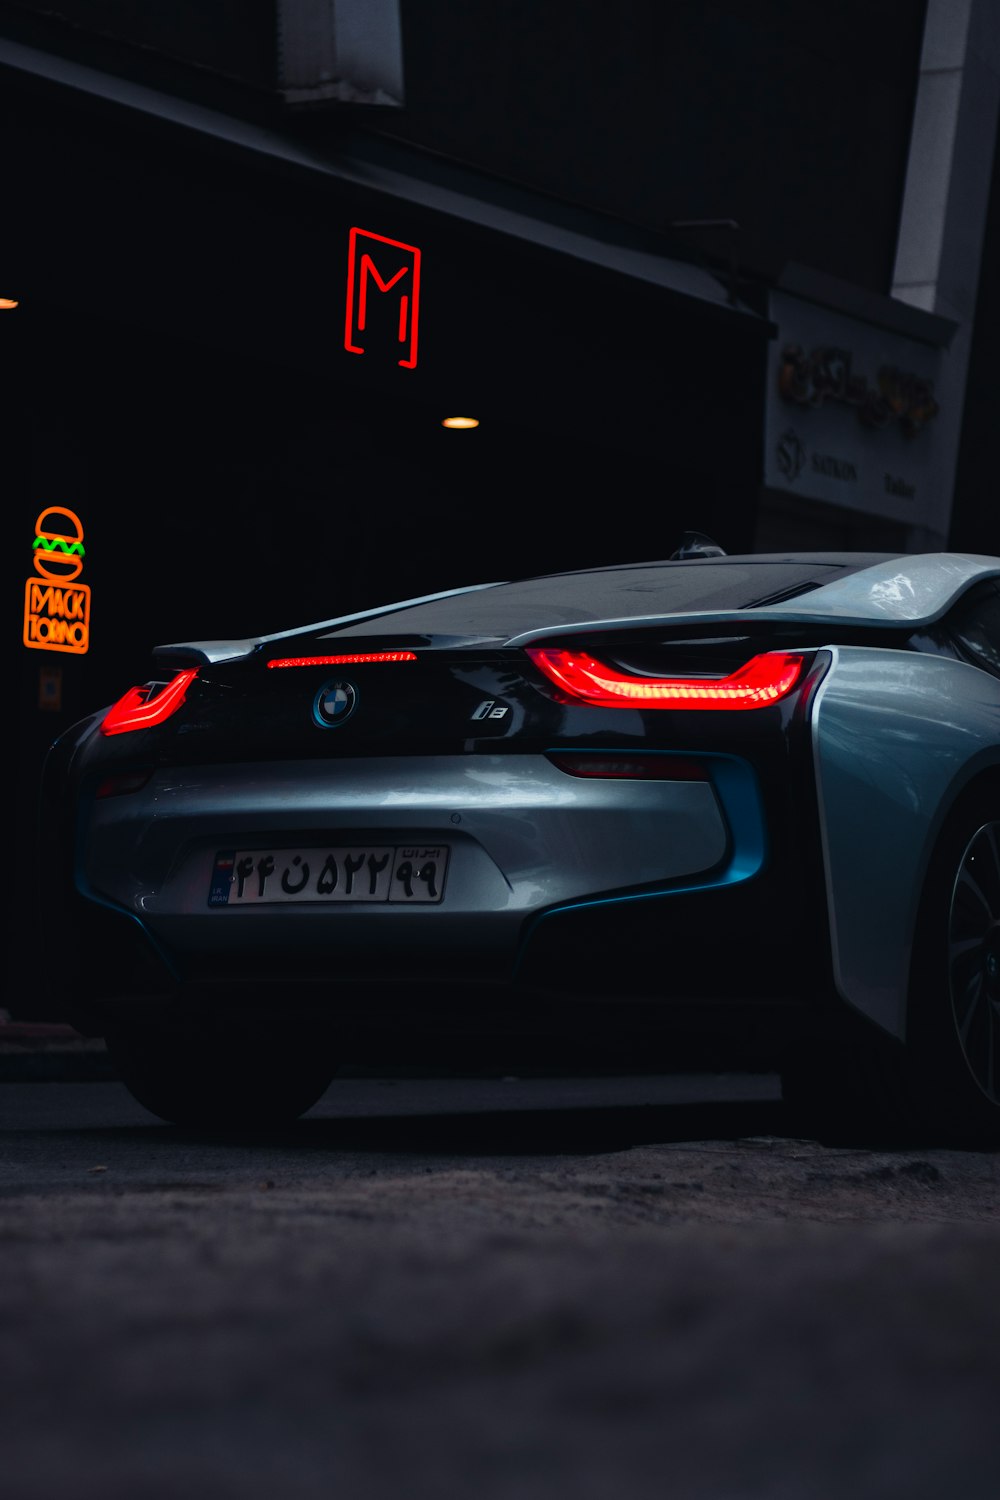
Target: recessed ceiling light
460, 422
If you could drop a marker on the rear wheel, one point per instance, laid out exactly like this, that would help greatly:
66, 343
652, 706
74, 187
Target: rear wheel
220, 1082
955, 991
943, 1085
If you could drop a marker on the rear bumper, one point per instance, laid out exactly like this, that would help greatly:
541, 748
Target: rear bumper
732, 918
526, 841
563, 892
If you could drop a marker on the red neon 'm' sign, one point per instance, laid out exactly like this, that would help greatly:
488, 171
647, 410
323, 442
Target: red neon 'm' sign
398, 271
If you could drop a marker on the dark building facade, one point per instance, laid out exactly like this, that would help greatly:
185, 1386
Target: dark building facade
184, 379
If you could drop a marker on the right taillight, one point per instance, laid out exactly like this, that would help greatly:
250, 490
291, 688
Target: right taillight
142, 707
761, 681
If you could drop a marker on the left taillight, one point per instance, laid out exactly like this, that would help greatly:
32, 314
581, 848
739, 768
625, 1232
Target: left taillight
761, 681
142, 707
123, 784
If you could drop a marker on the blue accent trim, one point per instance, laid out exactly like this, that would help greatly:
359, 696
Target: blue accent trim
736, 787
734, 782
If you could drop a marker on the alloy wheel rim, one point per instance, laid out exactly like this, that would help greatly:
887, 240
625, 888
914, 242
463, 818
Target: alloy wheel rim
974, 957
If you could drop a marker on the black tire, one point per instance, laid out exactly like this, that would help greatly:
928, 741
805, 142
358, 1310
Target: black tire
219, 1083
954, 1016
941, 1086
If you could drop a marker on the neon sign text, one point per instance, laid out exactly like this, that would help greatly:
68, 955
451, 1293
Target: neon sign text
404, 277
57, 611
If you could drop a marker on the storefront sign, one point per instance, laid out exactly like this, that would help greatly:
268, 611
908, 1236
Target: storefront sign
826, 374
853, 417
56, 606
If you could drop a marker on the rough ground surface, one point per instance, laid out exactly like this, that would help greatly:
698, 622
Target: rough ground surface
495, 1291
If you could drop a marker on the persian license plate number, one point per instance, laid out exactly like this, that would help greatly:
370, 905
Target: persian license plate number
408, 874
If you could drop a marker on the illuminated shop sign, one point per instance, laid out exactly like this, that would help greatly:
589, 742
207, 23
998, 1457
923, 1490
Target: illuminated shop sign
56, 606
859, 415
826, 374
377, 321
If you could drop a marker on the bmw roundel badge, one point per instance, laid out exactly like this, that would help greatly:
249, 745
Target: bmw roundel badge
334, 704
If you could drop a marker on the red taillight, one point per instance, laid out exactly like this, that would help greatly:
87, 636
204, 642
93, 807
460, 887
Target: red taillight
139, 709
122, 785
761, 681
347, 660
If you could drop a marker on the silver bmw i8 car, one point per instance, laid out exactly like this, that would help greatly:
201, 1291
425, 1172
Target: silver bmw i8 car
737, 808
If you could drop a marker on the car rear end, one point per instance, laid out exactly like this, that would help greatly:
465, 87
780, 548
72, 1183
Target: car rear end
498, 807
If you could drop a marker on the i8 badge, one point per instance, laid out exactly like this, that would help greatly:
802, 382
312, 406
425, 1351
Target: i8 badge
334, 704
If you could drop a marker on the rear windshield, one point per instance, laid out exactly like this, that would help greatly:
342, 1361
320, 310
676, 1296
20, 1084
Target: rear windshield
699, 585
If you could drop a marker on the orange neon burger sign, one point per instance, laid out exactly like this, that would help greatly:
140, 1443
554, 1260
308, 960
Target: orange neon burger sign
56, 606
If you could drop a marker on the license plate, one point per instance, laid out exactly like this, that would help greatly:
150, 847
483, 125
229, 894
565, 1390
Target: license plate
407, 874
